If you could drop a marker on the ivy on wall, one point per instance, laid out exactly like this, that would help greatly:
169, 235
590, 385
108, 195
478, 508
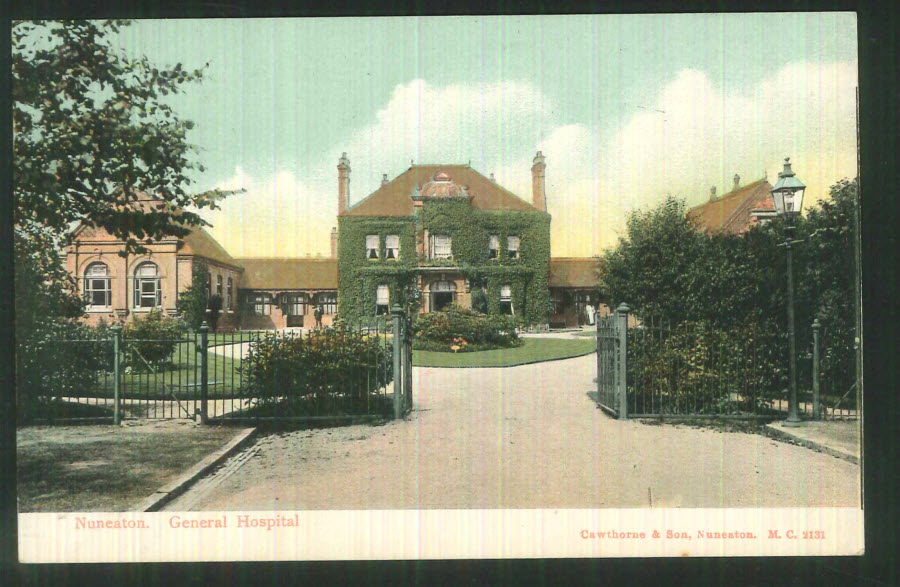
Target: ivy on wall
470, 230
359, 277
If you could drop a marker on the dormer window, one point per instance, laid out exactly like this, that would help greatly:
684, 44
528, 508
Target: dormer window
392, 246
371, 246
512, 247
440, 246
494, 247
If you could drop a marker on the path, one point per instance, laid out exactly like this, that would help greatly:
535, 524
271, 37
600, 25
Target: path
520, 437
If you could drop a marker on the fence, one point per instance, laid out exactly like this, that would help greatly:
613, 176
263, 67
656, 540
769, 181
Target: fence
353, 370
653, 368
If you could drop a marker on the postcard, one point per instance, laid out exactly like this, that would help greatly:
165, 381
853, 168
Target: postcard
438, 287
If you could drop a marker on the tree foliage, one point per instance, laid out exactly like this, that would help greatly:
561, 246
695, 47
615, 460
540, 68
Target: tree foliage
665, 267
192, 302
91, 127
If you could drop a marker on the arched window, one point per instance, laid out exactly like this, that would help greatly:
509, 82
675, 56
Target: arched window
147, 293
443, 293
219, 285
229, 292
97, 290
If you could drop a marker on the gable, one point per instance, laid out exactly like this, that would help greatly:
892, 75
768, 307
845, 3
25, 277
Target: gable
394, 198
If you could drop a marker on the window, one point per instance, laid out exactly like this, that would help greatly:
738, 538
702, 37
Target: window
392, 246
229, 292
97, 290
219, 285
328, 301
147, 293
440, 246
494, 247
382, 300
556, 301
259, 304
506, 300
371, 246
296, 304
512, 247
208, 285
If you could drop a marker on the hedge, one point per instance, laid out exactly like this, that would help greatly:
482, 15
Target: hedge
459, 330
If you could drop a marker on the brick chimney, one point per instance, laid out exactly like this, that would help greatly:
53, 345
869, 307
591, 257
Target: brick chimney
737, 181
334, 235
538, 198
343, 184
712, 193
384, 179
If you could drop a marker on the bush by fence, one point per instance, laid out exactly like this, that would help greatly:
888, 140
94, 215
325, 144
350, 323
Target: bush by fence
461, 330
331, 371
693, 368
156, 337
50, 367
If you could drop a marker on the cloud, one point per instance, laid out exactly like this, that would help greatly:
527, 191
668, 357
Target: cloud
279, 216
694, 134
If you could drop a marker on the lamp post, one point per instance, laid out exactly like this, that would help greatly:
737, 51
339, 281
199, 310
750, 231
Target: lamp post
787, 195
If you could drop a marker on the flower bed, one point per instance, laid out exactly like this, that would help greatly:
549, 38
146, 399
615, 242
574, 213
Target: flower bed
458, 330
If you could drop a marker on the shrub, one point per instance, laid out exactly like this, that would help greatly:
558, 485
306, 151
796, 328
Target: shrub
691, 367
329, 371
63, 359
151, 339
463, 329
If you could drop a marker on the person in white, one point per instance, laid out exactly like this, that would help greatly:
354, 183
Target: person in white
590, 313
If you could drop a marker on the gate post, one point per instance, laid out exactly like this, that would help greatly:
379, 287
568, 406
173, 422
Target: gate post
622, 375
397, 316
204, 375
116, 336
815, 369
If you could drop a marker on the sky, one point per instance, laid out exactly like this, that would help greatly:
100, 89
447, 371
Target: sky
625, 108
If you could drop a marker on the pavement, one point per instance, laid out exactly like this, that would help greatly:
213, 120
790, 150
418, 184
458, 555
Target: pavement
520, 437
835, 437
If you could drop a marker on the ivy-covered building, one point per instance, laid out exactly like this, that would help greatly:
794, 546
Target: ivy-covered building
444, 234
435, 235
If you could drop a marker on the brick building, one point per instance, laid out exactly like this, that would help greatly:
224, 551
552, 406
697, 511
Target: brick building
436, 233
738, 210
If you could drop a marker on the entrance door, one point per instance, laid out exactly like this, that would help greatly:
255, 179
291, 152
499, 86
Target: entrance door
443, 293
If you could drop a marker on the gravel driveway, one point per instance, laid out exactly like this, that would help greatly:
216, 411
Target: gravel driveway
520, 437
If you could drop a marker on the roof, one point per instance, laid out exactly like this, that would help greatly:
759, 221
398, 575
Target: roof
574, 271
395, 197
289, 273
199, 243
731, 212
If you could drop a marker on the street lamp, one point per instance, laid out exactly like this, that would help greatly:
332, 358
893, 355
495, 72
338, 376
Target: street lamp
787, 196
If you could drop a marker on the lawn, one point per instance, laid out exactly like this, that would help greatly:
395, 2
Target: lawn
107, 468
532, 351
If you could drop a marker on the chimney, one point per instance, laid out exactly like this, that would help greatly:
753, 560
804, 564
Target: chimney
343, 184
538, 198
712, 193
737, 181
334, 242
492, 178
384, 179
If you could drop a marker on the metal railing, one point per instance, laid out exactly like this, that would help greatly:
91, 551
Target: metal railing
354, 369
653, 368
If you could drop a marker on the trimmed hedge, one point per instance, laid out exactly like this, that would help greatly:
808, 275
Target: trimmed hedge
458, 330
330, 371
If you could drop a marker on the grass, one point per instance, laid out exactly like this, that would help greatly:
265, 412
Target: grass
106, 468
534, 350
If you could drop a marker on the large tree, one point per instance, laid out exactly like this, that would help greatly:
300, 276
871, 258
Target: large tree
91, 127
